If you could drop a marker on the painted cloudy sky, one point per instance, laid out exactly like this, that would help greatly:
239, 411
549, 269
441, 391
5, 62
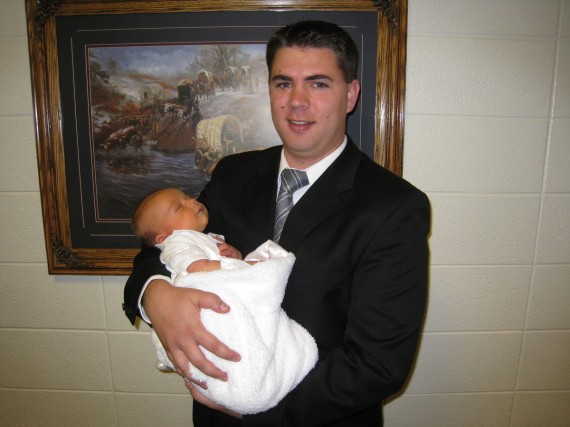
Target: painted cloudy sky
159, 60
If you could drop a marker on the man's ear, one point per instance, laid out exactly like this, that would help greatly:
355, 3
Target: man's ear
352, 96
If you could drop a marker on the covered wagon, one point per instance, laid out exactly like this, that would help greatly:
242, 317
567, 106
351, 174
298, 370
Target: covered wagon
215, 138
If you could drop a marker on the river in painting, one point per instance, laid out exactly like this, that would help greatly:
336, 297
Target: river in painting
122, 180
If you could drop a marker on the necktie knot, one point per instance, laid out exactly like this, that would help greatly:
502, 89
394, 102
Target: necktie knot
291, 181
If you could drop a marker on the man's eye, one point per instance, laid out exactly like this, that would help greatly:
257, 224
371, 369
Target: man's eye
320, 85
283, 85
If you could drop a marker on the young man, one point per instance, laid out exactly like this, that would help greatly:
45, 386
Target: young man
359, 234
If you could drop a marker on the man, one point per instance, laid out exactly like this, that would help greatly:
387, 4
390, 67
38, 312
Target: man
359, 234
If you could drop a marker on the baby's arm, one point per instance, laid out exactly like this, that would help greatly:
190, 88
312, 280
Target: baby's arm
226, 250
211, 265
203, 265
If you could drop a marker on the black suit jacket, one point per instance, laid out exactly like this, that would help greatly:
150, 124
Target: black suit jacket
358, 285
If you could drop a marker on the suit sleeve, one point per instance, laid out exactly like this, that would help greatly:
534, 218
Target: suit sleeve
145, 265
387, 303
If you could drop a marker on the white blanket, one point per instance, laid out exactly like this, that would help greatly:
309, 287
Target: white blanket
276, 352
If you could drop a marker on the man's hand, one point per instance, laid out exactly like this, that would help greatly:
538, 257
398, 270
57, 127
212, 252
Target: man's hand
175, 316
199, 397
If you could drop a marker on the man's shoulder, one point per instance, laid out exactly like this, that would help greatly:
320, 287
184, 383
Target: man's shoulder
377, 182
368, 175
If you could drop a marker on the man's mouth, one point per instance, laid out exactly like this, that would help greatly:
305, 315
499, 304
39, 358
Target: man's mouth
300, 122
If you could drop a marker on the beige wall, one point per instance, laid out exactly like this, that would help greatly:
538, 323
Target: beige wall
487, 136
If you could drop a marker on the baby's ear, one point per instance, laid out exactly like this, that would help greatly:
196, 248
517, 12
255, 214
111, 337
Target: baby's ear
160, 238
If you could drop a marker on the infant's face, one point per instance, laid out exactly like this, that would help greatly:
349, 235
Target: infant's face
174, 210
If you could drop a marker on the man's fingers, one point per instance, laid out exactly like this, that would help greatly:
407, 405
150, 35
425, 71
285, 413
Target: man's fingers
183, 335
206, 366
213, 302
214, 345
180, 359
210, 301
190, 351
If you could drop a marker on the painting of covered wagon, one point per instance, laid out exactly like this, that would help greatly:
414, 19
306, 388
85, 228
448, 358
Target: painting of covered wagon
217, 137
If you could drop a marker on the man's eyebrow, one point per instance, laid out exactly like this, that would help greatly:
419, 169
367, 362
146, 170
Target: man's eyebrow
318, 77
309, 78
281, 77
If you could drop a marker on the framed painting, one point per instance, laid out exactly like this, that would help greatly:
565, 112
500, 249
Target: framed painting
132, 96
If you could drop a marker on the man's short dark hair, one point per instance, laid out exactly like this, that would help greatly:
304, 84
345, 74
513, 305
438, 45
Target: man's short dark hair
316, 34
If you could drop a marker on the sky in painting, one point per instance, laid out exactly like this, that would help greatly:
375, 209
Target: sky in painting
158, 60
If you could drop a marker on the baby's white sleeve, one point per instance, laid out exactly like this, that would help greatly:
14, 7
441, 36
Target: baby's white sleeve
180, 250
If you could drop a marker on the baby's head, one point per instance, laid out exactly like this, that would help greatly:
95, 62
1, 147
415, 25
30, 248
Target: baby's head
163, 211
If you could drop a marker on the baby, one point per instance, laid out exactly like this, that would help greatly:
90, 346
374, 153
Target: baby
276, 352
174, 222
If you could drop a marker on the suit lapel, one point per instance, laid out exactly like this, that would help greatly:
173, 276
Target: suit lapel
326, 197
260, 194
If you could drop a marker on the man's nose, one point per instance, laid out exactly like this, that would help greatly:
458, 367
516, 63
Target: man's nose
299, 97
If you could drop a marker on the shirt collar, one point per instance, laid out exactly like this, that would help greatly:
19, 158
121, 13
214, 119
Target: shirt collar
316, 170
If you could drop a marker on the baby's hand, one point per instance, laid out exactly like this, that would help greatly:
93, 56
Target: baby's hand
228, 251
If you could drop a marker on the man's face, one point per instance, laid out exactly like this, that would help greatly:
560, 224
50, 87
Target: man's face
309, 103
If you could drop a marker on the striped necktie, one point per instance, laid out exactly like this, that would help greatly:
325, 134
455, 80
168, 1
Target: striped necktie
291, 181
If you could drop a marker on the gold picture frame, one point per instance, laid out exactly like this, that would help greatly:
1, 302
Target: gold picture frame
57, 172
